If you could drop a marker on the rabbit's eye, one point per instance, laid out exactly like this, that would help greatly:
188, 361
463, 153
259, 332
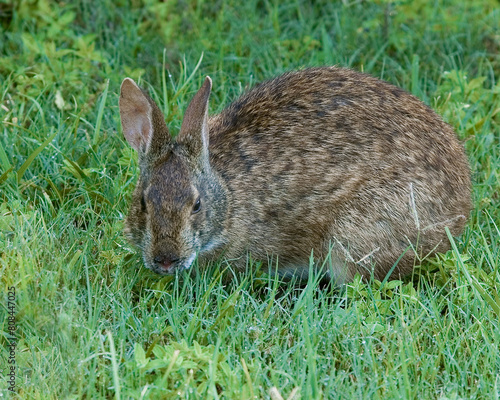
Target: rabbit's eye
197, 206
143, 204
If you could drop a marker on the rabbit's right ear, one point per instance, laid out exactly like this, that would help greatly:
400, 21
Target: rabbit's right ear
136, 115
194, 129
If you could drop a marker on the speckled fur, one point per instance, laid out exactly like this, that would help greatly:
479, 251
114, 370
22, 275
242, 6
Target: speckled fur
323, 160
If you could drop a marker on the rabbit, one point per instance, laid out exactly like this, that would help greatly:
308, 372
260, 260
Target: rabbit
324, 164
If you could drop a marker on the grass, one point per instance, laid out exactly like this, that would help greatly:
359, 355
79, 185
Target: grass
93, 323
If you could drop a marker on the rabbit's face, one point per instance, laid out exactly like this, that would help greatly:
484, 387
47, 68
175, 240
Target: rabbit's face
172, 218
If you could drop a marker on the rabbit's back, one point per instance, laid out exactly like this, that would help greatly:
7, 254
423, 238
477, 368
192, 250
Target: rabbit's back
331, 159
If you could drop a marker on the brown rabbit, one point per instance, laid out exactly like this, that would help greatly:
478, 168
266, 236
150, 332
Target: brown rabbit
326, 162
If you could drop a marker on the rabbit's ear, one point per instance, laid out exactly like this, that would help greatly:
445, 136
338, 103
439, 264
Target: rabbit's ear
194, 129
136, 115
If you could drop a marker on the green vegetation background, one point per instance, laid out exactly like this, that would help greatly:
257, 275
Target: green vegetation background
92, 323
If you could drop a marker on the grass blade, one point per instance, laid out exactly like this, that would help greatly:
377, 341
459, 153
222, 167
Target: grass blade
114, 363
415, 88
495, 306
5, 175
189, 78
102, 104
27, 163
164, 85
247, 376
4, 159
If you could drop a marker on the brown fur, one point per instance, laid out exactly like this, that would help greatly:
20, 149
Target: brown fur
324, 160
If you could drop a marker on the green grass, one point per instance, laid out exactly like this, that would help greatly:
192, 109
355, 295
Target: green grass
93, 323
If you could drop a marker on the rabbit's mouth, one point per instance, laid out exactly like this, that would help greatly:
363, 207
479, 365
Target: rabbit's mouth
170, 267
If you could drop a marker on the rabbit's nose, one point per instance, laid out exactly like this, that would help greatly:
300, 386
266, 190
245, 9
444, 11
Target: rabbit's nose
165, 262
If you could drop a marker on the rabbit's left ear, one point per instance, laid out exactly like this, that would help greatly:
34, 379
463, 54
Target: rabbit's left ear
136, 116
194, 129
